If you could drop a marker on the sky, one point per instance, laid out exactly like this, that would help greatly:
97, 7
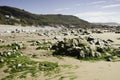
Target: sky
89, 10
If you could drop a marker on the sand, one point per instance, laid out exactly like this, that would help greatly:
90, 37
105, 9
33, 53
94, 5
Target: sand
85, 70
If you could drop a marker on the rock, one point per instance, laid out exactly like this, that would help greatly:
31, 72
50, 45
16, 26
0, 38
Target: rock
107, 54
93, 47
87, 49
82, 54
16, 48
109, 59
65, 33
21, 45
110, 40
97, 54
57, 38
81, 47
1, 60
115, 57
19, 65
100, 43
2, 40
9, 53
90, 38
92, 53
75, 42
78, 48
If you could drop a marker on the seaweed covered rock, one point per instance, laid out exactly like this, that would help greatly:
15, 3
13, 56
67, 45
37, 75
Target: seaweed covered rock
16, 46
82, 48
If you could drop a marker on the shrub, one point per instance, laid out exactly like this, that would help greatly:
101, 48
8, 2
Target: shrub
47, 66
17, 63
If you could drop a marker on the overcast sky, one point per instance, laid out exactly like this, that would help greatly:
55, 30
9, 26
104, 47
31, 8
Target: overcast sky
90, 10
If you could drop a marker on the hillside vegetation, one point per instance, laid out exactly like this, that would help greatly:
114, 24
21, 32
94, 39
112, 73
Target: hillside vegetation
15, 16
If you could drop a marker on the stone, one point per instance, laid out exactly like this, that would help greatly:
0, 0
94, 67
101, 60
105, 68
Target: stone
9, 53
98, 54
109, 59
1, 60
82, 54
92, 53
107, 54
19, 65
110, 40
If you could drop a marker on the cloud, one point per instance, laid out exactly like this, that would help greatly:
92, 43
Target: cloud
76, 5
61, 9
117, 0
111, 6
68, 8
100, 16
103, 19
95, 13
98, 2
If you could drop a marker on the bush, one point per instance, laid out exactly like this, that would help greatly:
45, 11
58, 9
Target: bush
18, 63
47, 66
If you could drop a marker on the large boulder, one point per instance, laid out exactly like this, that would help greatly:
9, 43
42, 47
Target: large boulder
82, 48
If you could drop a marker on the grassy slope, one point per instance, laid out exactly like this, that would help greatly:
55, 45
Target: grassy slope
27, 18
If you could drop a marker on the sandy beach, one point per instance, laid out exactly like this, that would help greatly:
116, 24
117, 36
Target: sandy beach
80, 70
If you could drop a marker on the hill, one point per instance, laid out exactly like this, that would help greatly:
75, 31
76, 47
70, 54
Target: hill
108, 24
15, 16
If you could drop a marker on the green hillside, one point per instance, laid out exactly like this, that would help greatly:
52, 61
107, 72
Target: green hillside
15, 16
